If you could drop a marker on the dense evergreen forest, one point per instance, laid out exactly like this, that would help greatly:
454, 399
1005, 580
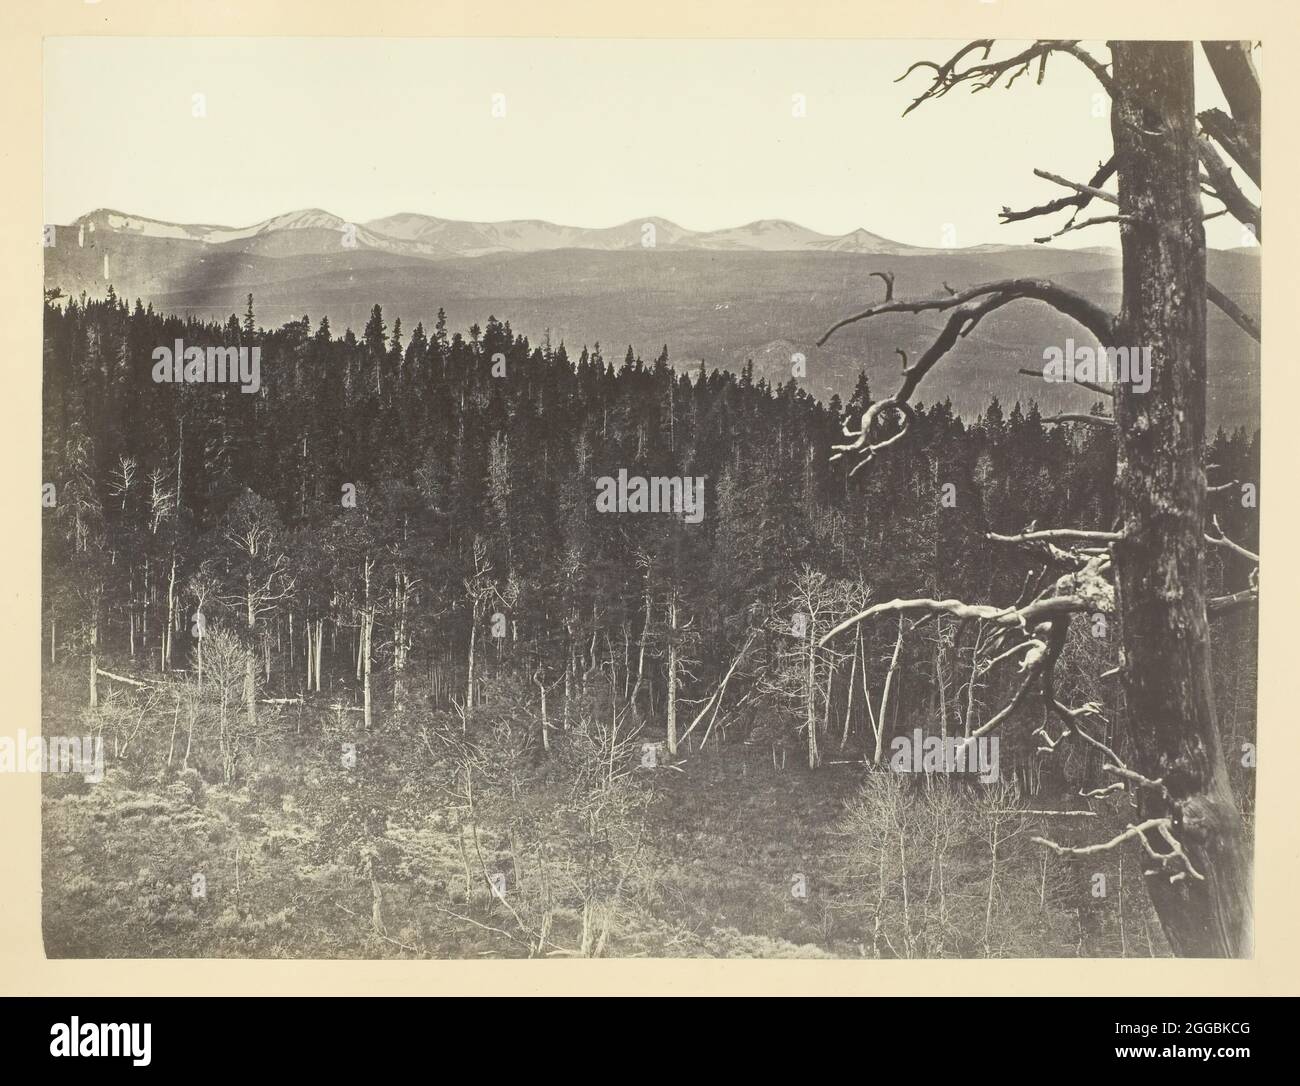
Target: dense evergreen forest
368, 659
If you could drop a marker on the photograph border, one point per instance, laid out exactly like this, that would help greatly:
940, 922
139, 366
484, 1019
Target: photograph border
24, 967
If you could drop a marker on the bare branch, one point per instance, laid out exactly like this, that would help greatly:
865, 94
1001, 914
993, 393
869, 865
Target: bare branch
1096, 220
1233, 138
1050, 534
1119, 220
1166, 831
1138, 832
1234, 312
888, 279
1115, 764
984, 73
1079, 201
1099, 389
1222, 540
1087, 313
1105, 422
1105, 790
1091, 191
860, 436
1098, 69
1233, 68
1033, 643
1002, 714
1021, 617
1219, 604
969, 306
1046, 814
1224, 188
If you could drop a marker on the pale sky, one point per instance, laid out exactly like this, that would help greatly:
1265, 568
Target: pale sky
595, 133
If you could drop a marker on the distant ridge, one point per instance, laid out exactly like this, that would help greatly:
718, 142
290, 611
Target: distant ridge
411, 233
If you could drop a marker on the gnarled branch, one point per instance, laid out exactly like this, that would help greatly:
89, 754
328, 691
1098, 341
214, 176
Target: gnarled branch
986, 73
974, 303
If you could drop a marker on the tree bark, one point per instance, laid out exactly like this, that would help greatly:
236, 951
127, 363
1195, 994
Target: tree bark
1160, 559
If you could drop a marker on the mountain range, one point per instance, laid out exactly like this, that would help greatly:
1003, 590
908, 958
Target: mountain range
763, 292
414, 234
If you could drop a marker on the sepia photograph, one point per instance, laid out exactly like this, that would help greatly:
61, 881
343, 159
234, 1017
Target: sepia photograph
614, 498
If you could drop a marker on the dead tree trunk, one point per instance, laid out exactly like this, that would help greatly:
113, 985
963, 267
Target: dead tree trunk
307, 628
539, 679
171, 615
810, 701
469, 665
94, 652
1159, 560
645, 637
320, 634
879, 727
672, 672
401, 592
367, 628
250, 661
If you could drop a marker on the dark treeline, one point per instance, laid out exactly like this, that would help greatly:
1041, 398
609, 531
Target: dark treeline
398, 517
